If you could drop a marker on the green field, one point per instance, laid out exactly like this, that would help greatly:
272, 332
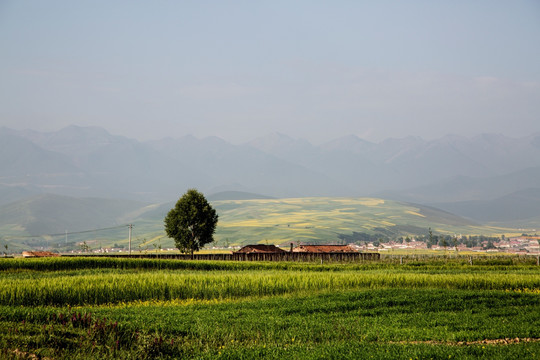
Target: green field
90, 308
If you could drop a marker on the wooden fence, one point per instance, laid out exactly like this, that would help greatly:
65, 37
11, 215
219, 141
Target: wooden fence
288, 256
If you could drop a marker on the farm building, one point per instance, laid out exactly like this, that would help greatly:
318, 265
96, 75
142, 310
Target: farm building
259, 249
324, 249
28, 254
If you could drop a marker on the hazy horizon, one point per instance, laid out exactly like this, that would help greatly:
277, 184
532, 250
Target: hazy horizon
235, 70
269, 134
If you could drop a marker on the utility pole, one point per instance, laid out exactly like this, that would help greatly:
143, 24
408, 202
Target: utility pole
130, 227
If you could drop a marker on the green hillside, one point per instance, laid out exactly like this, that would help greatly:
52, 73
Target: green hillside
28, 224
46, 214
322, 220
273, 221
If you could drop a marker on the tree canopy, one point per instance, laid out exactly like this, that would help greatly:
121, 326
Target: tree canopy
192, 222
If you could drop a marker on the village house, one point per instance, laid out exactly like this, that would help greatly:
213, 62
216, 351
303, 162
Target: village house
29, 254
324, 249
259, 249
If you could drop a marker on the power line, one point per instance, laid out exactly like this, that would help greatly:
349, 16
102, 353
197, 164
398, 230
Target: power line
66, 233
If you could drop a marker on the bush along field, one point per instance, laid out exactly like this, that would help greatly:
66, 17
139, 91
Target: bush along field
86, 308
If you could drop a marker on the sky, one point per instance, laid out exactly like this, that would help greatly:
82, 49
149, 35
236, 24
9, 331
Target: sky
238, 70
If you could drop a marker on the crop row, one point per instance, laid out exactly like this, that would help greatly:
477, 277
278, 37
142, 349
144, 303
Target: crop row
89, 262
114, 287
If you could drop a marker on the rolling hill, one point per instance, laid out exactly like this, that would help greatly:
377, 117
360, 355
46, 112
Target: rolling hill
487, 179
274, 221
322, 220
53, 214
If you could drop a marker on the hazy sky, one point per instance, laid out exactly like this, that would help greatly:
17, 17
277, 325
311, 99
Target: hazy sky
242, 69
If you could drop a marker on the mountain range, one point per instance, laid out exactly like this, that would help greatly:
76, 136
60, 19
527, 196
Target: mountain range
468, 176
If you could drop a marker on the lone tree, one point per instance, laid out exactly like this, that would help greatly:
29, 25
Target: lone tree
192, 222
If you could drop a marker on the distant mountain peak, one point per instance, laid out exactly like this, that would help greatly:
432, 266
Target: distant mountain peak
407, 140
79, 128
280, 143
273, 138
215, 140
348, 143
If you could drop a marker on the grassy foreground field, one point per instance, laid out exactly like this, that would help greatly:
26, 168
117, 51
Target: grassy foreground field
135, 309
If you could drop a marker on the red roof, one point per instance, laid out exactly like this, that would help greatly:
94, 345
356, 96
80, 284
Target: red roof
259, 249
39, 254
324, 249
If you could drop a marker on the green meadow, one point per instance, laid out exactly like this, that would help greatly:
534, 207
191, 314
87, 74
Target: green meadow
321, 220
88, 308
268, 221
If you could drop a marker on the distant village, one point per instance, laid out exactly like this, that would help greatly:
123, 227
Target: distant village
519, 245
515, 245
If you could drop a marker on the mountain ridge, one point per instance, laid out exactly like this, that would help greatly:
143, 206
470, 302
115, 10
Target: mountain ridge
91, 162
